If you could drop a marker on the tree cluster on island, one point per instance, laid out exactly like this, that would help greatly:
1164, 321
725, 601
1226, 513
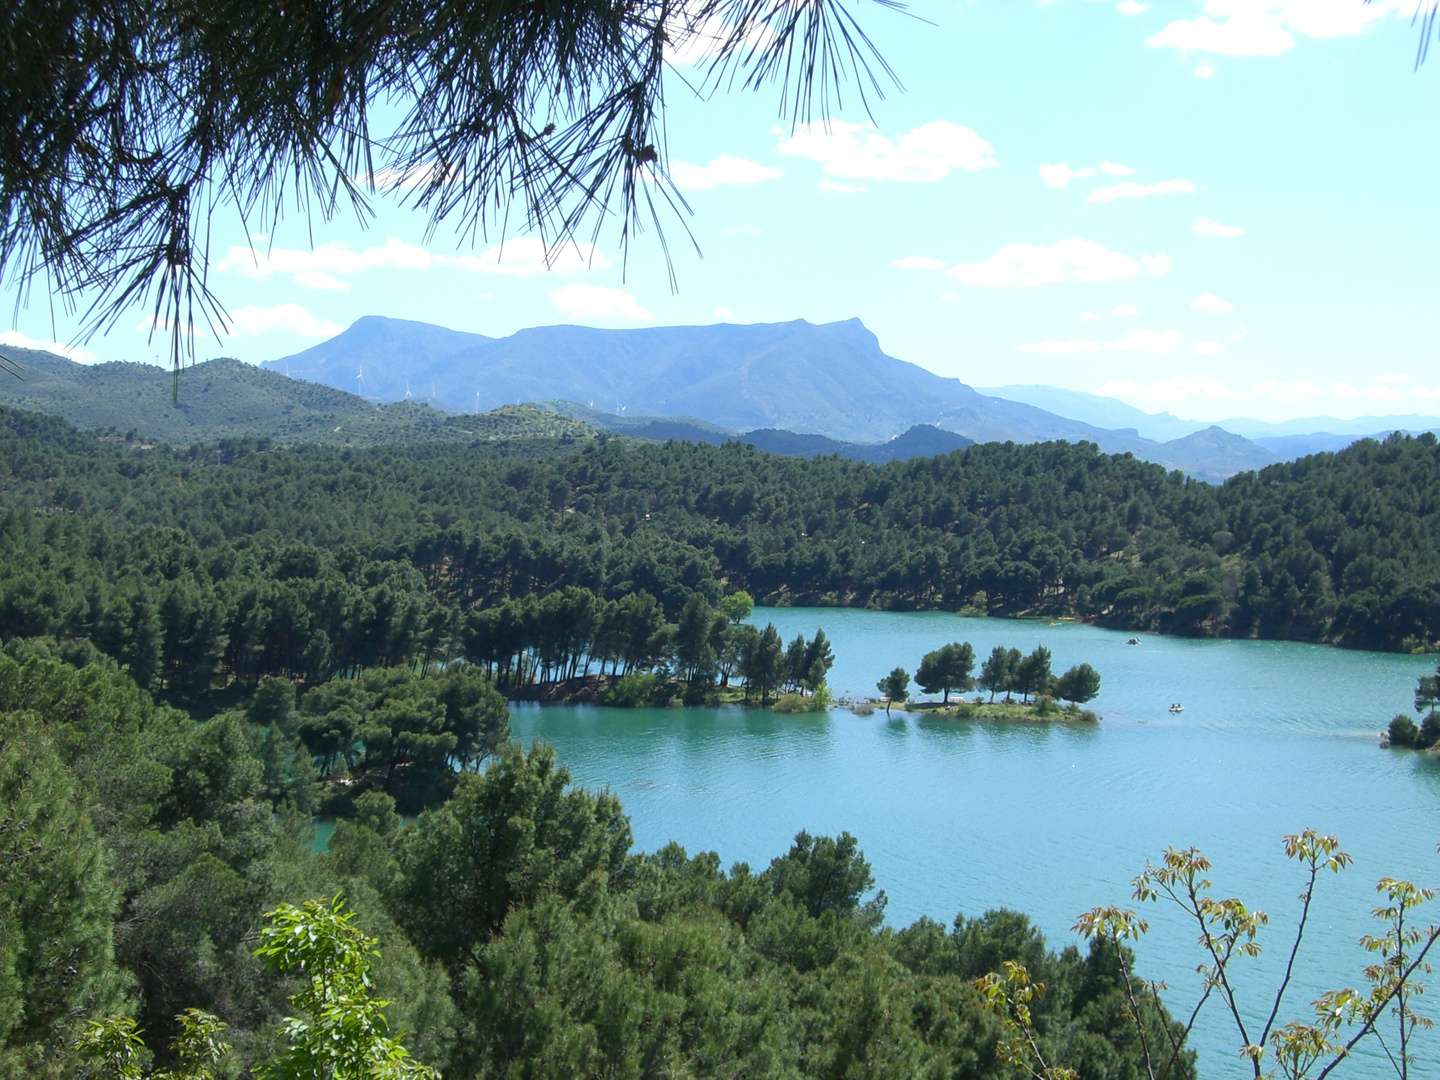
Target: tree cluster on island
1426, 735
950, 669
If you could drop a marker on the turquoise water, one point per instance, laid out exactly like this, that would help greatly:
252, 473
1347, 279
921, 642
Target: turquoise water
1052, 820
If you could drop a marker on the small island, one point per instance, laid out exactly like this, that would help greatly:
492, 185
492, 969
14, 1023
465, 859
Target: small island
1404, 732
948, 670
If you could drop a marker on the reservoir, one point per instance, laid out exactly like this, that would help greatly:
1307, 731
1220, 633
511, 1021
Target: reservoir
1053, 819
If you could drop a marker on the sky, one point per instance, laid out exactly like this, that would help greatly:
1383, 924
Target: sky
1214, 208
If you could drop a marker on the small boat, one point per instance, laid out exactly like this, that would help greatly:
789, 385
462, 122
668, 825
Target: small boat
1133, 641
1177, 708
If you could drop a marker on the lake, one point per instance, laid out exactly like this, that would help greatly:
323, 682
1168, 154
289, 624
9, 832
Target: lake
960, 816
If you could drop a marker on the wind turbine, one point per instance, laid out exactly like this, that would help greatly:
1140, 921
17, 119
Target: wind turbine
359, 380
407, 389
477, 402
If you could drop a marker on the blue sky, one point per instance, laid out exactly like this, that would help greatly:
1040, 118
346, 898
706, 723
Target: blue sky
1211, 207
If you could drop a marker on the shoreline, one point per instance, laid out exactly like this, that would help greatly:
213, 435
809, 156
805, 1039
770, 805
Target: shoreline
589, 689
1007, 712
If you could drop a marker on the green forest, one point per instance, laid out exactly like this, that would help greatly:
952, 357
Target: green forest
205, 647
206, 569
518, 932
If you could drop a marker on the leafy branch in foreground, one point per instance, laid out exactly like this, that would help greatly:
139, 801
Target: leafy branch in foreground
340, 1037
343, 1033
1009, 996
115, 1047
1228, 931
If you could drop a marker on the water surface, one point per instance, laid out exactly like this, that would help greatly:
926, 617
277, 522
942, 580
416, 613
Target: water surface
1054, 819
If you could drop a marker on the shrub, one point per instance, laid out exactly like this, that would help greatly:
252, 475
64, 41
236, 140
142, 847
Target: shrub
863, 708
964, 712
821, 699
633, 691
792, 703
1429, 732
1088, 716
1403, 731
1045, 706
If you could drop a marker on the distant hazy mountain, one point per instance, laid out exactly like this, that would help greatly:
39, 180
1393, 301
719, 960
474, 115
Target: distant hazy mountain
830, 380
1287, 439
1103, 412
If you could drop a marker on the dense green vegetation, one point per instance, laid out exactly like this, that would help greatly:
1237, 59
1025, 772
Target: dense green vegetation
215, 566
518, 932
228, 399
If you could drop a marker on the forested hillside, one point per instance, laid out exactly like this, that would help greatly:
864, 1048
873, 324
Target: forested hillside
519, 933
197, 566
225, 399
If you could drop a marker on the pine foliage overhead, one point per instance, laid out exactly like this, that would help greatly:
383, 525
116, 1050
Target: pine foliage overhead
125, 125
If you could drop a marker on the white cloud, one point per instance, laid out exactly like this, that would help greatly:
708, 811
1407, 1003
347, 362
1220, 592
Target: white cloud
1180, 388
16, 340
1061, 348
724, 170
1038, 264
1059, 175
835, 188
1132, 190
1208, 301
1089, 316
318, 279
527, 255
1268, 27
948, 296
858, 152
1154, 342
1301, 390
724, 314
1204, 70
327, 259
917, 262
1156, 265
1207, 227
1124, 310
1170, 391
318, 269
698, 34
579, 301
1387, 388
1206, 348
289, 318
417, 176
1131, 7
